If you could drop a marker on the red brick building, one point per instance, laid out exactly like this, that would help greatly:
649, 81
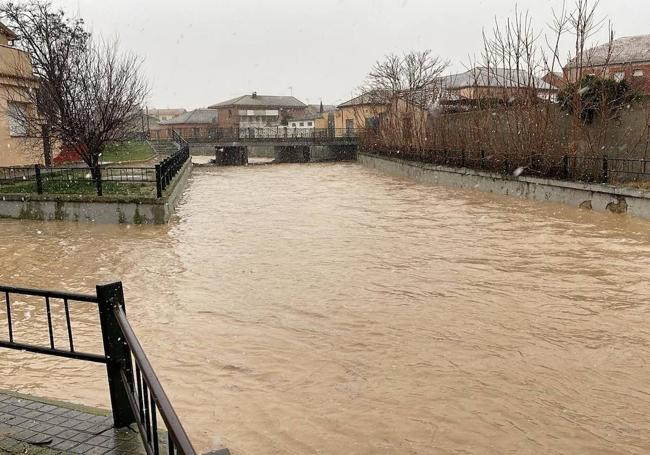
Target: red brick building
258, 111
624, 58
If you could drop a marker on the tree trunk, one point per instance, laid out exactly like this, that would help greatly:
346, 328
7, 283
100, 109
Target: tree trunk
96, 173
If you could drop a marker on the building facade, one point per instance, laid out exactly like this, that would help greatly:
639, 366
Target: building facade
497, 84
196, 124
18, 145
360, 112
258, 111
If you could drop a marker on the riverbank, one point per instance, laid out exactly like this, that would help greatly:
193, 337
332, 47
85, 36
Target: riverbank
591, 196
112, 209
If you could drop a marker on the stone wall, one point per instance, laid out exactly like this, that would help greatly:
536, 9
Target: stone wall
598, 197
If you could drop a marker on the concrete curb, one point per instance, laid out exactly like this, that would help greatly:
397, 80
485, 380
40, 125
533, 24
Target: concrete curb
599, 197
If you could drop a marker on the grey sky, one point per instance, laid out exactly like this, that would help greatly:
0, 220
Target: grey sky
198, 52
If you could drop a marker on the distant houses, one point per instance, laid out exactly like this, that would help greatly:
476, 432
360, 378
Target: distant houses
163, 115
494, 84
317, 116
198, 123
624, 58
258, 111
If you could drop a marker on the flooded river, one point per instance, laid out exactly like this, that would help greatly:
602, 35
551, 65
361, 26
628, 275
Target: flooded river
299, 309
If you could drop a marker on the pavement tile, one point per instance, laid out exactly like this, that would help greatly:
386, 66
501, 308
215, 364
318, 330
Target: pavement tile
34, 405
63, 445
41, 427
83, 426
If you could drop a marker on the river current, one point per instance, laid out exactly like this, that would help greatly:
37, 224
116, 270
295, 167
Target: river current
328, 308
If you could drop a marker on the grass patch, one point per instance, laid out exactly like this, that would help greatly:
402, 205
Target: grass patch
127, 151
86, 188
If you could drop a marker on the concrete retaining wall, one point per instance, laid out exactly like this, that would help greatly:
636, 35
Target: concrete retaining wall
105, 209
584, 195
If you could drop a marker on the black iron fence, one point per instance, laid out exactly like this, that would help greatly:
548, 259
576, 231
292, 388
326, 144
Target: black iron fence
270, 134
594, 169
140, 181
167, 169
135, 391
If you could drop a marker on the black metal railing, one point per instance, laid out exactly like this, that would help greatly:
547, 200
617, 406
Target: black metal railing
106, 180
176, 137
167, 169
272, 134
135, 391
594, 169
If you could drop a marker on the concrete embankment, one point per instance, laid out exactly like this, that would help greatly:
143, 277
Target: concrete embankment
599, 197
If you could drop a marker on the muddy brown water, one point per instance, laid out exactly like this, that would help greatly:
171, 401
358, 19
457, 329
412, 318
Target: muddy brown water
298, 309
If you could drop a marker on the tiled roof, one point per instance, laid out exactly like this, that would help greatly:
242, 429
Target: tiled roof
194, 117
156, 112
629, 49
492, 77
268, 101
315, 108
372, 97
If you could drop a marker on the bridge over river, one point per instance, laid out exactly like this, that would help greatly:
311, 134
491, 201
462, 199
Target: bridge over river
232, 145
328, 308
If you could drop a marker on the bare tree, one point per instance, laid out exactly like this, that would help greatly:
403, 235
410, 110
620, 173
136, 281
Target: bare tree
88, 94
401, 89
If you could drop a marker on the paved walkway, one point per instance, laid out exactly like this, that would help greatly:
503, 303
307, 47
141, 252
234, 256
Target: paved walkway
31, 426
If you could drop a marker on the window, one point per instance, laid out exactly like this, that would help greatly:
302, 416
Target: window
302, 123
16, 112
309, 124
619, 76
638, 73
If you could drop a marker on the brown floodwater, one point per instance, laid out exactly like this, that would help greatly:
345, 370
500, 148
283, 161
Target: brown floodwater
299, 309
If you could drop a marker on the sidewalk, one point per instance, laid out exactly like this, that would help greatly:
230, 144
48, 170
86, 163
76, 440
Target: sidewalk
33, 426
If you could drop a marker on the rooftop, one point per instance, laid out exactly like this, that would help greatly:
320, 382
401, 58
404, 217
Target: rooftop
629, 49
177, 111
195, 116
255, 100
492, 77
372, 97
6, 31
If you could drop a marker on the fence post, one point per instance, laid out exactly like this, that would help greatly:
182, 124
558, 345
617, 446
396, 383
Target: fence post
565, 166
118, 354
98, 180
39, 179
159, 188
605, 169
482, 159
462, 158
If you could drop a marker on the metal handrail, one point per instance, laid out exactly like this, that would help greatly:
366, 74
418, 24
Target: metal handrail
179, 439
66, 297
136, 394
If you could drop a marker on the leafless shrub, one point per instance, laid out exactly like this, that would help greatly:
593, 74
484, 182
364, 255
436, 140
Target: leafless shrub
513, 115
397, 95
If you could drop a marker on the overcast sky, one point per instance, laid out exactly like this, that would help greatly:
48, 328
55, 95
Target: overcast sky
198, 52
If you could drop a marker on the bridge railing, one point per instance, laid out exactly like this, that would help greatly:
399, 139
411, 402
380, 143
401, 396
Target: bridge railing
135, 391
276, 134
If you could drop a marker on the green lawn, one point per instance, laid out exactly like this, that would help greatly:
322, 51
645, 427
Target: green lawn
127, 151
83, 188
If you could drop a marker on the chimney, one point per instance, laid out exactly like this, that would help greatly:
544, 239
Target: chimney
254, 94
